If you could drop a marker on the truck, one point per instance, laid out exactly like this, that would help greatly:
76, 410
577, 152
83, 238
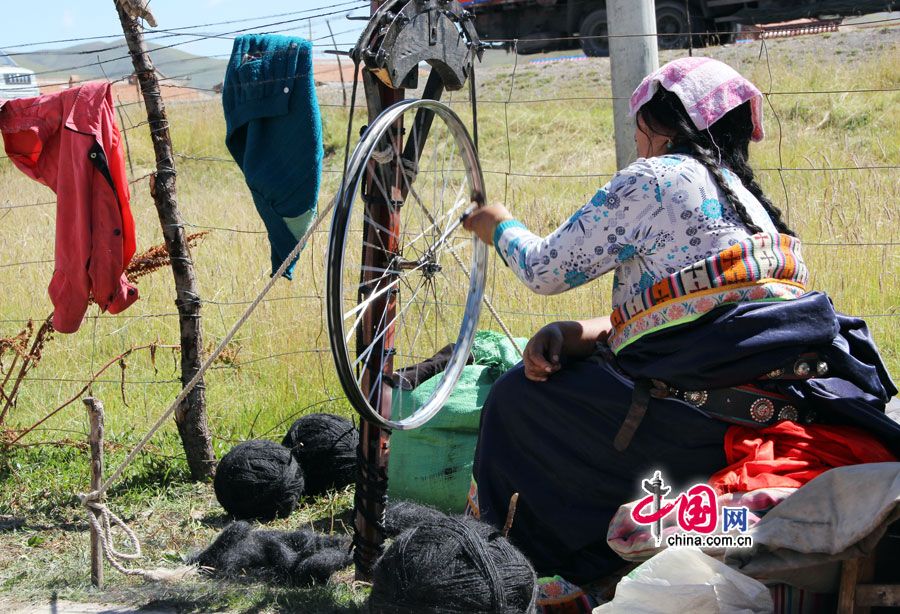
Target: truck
15, 81
535, 26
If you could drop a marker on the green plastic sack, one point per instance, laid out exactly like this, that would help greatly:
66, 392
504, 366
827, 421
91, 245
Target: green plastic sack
433, 463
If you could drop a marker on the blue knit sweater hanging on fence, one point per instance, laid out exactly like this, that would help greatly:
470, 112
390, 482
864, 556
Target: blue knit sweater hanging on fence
274, 133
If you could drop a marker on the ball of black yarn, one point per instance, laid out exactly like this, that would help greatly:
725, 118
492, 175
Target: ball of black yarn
452, 565
259, 479
325, 446
400, 516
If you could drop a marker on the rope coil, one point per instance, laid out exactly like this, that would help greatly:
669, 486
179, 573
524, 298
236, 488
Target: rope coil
102, 520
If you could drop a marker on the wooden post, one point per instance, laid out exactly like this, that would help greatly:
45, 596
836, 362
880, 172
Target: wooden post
191, 415
849, 578
383, 228
95, 413
631, 58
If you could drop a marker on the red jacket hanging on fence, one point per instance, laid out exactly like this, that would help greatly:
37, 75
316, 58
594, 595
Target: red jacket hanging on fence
69, 141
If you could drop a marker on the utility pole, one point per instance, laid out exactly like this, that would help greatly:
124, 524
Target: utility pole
633, 54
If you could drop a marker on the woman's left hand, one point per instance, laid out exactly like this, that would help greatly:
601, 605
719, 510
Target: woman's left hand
541, 357
483, 220
571, 339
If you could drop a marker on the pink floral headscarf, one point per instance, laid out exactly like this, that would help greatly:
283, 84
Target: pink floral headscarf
707, 88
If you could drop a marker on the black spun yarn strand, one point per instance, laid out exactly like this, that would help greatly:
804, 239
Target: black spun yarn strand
297, 557
215, 556
317, 568
403, 515
241, 550
476, 549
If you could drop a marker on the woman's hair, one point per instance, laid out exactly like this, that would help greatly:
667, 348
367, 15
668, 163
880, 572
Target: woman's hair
726, 142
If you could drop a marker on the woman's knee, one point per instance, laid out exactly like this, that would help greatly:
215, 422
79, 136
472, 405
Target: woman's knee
507, 391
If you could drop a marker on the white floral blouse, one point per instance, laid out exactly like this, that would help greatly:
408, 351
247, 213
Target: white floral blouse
652, 219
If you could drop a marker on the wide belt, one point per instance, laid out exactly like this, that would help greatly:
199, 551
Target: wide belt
748, 405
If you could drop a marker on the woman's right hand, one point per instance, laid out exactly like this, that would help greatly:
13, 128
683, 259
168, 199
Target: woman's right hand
483, 221
542, 353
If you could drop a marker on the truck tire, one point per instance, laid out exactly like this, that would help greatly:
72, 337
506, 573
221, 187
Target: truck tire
539, 42
720, 34
594, 25
672, 24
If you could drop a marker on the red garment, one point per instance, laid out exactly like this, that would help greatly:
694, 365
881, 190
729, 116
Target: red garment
790, 454
69, 141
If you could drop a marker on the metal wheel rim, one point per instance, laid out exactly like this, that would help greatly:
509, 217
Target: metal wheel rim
344, 204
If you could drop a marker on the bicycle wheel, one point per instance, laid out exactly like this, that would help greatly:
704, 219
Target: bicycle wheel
420, 281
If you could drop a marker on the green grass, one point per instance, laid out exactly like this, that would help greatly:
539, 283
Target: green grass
283, 365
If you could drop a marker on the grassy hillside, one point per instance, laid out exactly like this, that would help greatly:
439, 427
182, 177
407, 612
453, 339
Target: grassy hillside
544, 154
83, 60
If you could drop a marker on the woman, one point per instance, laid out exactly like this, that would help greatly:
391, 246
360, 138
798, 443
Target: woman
709, 293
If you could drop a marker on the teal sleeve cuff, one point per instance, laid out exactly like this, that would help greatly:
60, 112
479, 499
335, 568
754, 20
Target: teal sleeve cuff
498, 232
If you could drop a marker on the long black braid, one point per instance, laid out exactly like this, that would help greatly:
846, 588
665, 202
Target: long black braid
726, 142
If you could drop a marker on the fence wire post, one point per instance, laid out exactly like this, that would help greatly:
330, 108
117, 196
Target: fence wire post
125, 136
190, 416
340, 67
687, 12
633, 54
95, 439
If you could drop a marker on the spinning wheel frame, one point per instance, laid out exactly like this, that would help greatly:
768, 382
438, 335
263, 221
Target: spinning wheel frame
393, 37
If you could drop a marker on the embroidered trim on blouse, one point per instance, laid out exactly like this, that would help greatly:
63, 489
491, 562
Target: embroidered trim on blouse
763, 267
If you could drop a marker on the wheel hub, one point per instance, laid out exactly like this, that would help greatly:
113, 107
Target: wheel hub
427, 265
430, 269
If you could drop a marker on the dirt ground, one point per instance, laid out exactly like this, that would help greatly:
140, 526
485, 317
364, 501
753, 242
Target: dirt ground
54, 606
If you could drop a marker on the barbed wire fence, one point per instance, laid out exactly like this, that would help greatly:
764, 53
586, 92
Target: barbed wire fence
507, 88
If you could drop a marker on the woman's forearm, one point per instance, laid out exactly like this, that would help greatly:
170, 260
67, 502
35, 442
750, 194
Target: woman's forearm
580, 337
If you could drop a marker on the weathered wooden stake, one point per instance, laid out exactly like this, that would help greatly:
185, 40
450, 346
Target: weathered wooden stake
95, 413
191, 416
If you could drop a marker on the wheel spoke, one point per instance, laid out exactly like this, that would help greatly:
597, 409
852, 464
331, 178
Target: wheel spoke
439, 222
422, 321
368, 351
376, 294
362, 368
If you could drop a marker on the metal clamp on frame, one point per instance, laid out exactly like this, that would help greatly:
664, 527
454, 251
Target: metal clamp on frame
404, 33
